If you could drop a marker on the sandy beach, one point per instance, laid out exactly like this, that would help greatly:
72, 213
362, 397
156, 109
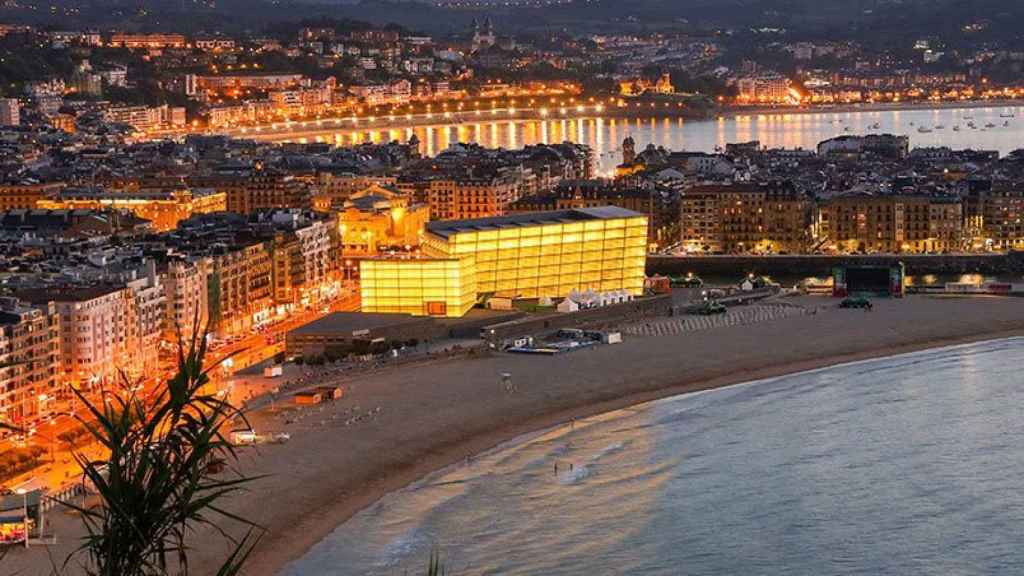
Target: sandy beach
313, 128
415, 421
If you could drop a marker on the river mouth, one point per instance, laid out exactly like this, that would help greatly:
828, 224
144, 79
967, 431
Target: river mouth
897, 465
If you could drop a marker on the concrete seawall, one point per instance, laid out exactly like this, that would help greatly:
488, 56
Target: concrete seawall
821, 266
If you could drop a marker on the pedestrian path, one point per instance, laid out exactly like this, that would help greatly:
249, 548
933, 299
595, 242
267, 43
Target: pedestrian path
740, 316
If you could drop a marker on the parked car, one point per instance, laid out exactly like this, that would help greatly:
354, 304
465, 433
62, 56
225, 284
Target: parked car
855, 303
711, 308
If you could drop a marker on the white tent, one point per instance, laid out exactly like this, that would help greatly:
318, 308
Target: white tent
568, 305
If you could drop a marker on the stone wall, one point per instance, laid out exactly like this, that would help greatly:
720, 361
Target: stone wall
821, 265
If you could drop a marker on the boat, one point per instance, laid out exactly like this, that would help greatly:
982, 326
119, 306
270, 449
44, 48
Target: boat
940, 127
875, 126
990, 125
1006, 115
924, 130
956, 128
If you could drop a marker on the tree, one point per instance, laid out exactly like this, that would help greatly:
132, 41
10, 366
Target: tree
162, 479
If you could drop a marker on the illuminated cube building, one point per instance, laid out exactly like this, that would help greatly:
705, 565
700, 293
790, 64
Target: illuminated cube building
542, 254
418, 286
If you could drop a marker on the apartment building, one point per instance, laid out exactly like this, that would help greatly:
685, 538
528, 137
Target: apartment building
94, 331
10, 112
891, 223
241, 286
186, 297
164, 208
766, 217
146, 320
268, 188
304, 259
467, 197
147, 41
994, 213
30, 343
145, 118
24, 196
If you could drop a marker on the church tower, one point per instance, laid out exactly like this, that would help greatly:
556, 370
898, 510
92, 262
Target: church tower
628, 150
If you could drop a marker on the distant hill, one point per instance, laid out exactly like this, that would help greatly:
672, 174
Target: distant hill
826, 18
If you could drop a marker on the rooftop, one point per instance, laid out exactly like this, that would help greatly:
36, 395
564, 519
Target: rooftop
67, 293
352, 322
448, 228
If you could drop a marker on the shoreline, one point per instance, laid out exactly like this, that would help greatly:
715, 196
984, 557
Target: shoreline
500, 439
453, 454
447, 410
314, 128
870, 107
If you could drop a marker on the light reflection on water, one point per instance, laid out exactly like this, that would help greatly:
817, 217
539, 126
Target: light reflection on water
605, 134
905, 465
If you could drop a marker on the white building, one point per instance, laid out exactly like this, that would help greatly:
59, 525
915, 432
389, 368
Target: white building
94, 329
146, 320
10, 112
186, 299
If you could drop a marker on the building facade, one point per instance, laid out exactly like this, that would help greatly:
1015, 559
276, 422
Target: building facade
768, 217
548, 253
165, 209
95, 332
994, 215
380, 217
25, 196
444, 287
185, 298
891, 223
241, 287
30, 342
472, 197
10, 112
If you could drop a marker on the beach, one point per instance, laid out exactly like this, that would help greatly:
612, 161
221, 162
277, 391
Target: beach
385, 123
395, 426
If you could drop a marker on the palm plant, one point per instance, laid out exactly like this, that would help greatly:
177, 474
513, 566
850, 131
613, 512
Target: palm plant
436, 567
162, 479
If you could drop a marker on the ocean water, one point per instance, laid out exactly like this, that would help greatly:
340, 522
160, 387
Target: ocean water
605, 134
912, 464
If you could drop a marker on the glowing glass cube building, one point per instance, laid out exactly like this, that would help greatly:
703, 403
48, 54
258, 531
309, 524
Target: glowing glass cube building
418, 286
541, 254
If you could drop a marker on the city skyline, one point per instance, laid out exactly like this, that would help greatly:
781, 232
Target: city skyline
380, 239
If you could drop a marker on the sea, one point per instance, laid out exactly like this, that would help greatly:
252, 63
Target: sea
910, 464
996, 128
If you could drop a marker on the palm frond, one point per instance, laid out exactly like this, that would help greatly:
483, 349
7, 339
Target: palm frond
158, 485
